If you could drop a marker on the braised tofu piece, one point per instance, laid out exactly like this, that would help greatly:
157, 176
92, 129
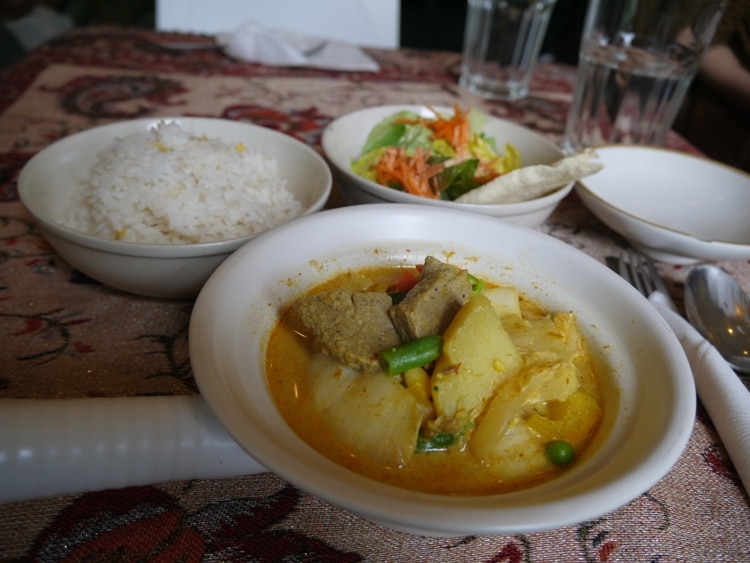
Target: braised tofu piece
350, 326
431, 304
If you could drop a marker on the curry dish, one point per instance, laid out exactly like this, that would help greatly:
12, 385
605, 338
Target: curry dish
429, 379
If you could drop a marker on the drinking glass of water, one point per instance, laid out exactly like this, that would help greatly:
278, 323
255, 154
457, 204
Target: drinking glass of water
637, 59
502, 40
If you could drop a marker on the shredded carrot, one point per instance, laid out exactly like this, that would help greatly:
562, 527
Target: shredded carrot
486, 178
455, 129
411, 172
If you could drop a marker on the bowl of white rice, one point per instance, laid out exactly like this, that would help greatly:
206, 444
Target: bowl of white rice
153, 206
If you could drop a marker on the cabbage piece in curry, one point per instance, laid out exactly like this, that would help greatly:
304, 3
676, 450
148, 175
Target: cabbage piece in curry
508, 380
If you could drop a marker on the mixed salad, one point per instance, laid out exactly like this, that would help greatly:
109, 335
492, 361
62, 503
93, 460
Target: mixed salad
440, 157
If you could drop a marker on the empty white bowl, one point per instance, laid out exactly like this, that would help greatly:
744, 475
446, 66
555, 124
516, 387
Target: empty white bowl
344, 138
675, 207
49, 180
650, 405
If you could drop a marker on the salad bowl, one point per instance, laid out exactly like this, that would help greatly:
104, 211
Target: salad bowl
344, 138
649, 413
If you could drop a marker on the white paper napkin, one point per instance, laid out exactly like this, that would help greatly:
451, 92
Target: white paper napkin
724, 396
255, 43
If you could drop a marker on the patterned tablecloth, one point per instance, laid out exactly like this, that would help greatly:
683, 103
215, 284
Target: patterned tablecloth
64, 335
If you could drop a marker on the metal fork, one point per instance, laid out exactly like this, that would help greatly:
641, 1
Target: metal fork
724, 397
640, 271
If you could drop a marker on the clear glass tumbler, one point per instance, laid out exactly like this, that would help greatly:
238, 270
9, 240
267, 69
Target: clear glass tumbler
501, 46
637, 59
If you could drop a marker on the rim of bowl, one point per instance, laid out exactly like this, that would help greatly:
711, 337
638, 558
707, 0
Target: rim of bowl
581, 184
165, 250
383, 192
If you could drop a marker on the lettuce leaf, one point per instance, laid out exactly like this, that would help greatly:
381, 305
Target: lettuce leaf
442, 150
483, 148
415, 136
387, 132
365, 165
456, 180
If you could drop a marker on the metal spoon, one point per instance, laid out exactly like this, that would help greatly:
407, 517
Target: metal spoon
720, 310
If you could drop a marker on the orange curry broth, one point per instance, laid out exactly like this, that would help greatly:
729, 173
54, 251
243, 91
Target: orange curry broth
289, 351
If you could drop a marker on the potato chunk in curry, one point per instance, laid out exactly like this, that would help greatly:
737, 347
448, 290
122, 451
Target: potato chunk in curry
478, 355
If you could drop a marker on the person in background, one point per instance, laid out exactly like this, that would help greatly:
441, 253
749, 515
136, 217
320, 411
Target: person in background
715, 116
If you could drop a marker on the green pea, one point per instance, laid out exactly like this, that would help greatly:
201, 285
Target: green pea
559, 452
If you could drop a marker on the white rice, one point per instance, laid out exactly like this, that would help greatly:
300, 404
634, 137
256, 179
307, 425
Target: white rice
167, 186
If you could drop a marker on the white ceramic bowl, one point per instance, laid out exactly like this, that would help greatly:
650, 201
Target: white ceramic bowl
675, 207
647, 422
49, 179
344, 138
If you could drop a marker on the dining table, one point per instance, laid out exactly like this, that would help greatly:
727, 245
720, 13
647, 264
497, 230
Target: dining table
66, 339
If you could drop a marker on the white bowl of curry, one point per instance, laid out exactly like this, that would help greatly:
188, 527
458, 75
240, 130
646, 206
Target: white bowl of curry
556, 393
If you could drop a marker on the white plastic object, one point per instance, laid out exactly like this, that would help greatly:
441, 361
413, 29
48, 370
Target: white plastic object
51, 447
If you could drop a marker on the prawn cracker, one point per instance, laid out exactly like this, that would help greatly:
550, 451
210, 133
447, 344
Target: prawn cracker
531, 182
